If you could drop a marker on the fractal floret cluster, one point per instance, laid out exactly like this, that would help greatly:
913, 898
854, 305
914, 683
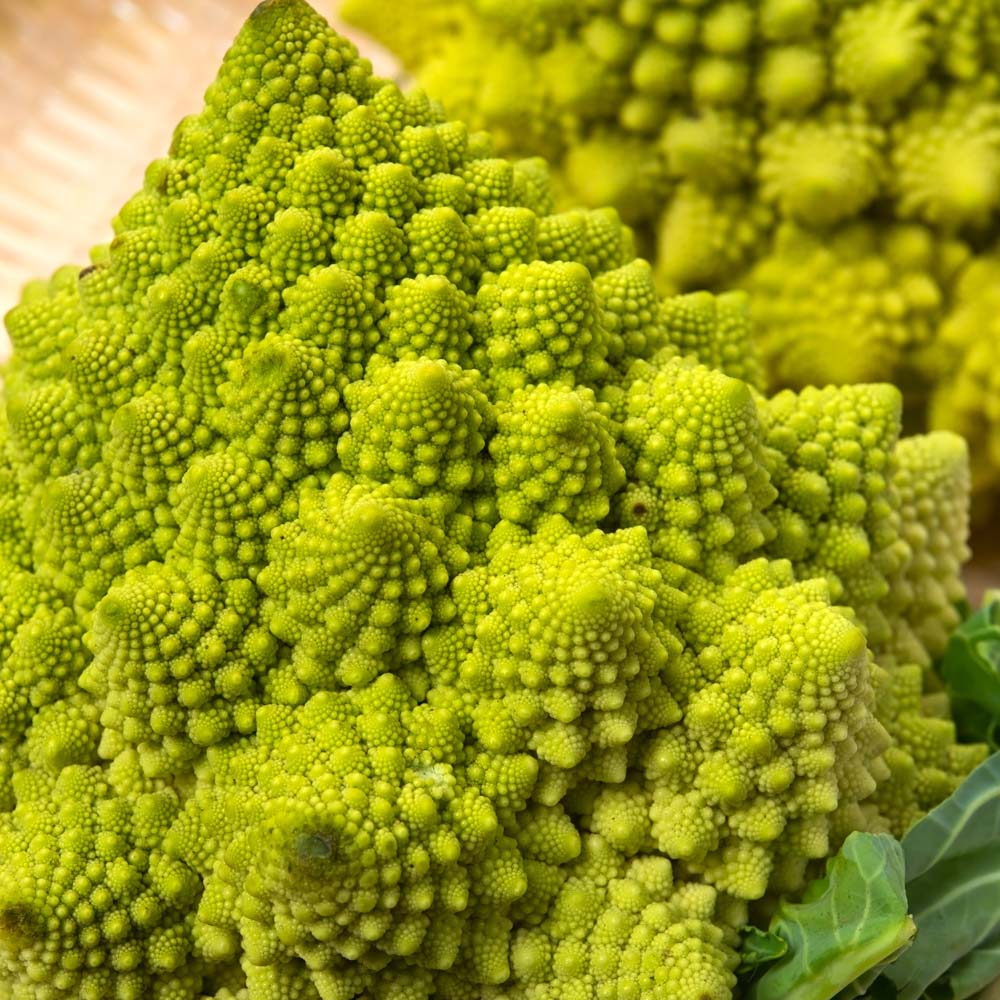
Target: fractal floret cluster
398, 600
840, 158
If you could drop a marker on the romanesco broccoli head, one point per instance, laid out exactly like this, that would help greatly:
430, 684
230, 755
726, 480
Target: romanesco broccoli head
399, 600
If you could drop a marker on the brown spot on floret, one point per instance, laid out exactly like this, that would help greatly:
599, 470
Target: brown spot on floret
19, 924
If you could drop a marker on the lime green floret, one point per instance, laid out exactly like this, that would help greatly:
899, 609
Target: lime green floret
780, 733
400, 600
716, 127
419, 426
353, 830
91, 904
554, 453
697, 481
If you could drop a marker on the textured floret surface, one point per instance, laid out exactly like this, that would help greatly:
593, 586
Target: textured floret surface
399, 600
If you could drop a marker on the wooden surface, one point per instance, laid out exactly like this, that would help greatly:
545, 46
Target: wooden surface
983, 573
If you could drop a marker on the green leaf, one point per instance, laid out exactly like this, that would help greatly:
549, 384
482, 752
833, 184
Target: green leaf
880, 989
975, 972
953, 885
759, 948
971, 669
853, 920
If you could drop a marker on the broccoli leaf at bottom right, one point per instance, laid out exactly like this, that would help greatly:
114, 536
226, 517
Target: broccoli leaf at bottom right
953, 888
